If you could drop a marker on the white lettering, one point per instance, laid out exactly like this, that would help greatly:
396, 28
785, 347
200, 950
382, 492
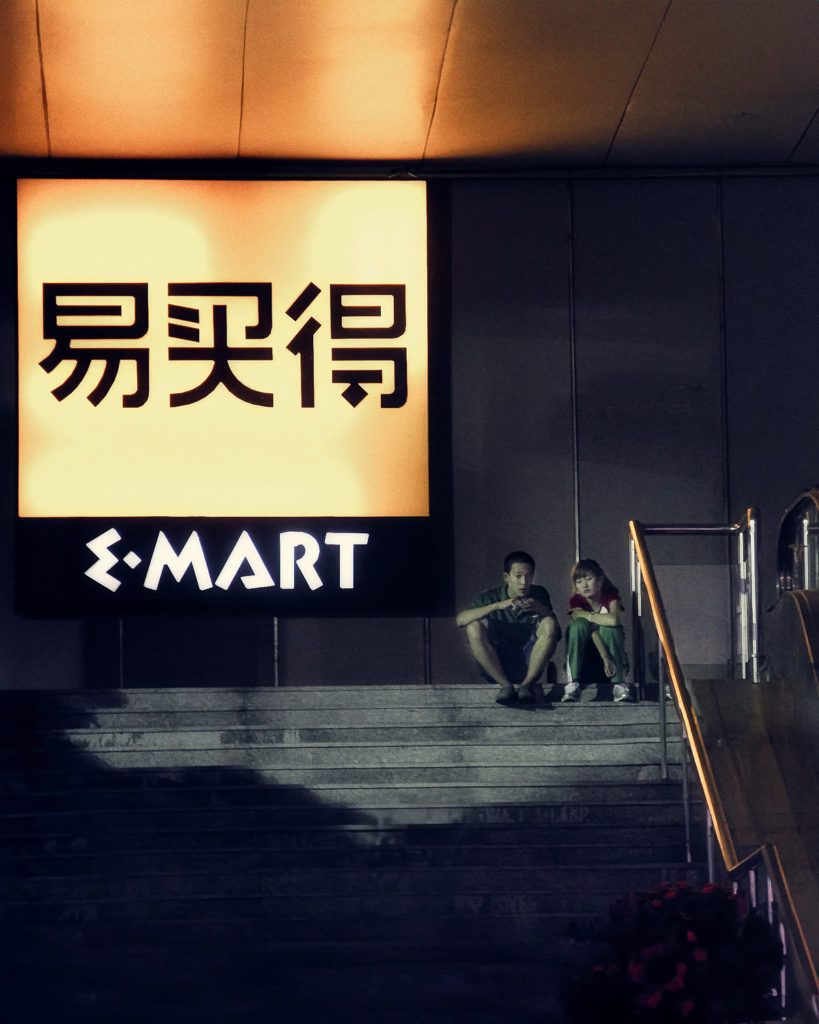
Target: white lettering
191, 556
243, 551
346, 555
288, 542
98, 572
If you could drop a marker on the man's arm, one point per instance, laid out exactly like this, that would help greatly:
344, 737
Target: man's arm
476, 614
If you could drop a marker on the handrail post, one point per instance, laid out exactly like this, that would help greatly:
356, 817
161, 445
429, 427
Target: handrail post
752, 522
636, 619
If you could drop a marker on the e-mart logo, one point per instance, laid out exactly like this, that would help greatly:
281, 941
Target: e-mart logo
298, 551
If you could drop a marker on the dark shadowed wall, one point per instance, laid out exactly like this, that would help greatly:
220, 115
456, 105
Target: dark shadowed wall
621, 347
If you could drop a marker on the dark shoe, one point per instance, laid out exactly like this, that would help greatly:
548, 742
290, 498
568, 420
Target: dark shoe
506, 696
526, 695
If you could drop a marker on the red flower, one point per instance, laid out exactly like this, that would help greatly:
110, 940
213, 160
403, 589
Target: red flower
637, 971
691, 936
676, 982
700, 954
687, 1007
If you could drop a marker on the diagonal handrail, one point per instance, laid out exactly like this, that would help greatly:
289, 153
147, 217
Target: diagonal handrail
686, 710
805, 968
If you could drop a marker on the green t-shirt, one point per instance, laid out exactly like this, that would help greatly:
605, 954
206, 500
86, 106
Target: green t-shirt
511, 627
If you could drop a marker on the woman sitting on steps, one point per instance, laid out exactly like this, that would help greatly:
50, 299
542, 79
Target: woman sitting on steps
595, 638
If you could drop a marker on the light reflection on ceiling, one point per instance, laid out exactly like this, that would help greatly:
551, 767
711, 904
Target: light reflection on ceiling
424, 84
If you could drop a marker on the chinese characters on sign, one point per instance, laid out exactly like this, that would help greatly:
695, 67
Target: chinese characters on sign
224, 394
61, 302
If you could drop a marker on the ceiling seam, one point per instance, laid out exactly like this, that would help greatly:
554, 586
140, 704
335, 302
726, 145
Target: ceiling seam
242, 87
440, 77
43, 91
803, 136
633, 89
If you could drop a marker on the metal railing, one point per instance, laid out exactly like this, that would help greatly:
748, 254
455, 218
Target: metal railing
746, 532
798, 550
761, 880
799, 985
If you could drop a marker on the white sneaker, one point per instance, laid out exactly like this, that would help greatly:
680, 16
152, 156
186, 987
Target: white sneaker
622, 693
571, 693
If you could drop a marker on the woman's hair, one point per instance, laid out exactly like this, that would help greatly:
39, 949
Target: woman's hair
588, 567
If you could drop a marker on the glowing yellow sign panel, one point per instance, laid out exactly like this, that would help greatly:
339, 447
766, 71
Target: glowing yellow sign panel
222, 348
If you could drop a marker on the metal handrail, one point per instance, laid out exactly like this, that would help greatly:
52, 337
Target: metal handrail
804, 967
779, 904
683, 701
793, 547
748, 561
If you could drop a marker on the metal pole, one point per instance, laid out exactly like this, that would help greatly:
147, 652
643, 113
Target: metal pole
661, 703
427, 652
709, 846
636, 618
742, 644
121, 653
753, 595
275, 650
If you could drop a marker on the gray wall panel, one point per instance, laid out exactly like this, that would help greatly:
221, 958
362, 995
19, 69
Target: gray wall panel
512, 423
772, 330
649, 363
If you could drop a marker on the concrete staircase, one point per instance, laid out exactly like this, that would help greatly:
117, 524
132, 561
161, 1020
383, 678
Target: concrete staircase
330, 854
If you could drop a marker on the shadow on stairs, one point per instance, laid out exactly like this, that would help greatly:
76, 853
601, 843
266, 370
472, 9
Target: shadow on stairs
406, 854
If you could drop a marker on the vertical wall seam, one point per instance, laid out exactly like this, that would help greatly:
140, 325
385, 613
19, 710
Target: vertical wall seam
723, 337
573, 374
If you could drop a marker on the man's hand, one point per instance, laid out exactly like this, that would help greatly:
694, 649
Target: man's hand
531, 605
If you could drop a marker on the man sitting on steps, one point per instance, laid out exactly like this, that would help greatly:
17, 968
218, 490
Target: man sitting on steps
512, 630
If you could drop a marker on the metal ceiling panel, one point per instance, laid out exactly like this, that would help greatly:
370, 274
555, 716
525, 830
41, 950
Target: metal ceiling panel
146, 79
501, 84
334, 80
734, 81
22, 118
539, 80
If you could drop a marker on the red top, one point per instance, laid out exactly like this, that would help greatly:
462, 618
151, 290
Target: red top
606, 597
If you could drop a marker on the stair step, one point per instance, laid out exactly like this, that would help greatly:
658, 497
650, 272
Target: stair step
367, 698
626, 719
404, 854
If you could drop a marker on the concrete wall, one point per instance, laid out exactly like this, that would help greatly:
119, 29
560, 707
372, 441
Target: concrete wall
671, 320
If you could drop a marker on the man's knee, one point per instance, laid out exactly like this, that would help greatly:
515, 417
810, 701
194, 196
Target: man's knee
477, 630
548, 629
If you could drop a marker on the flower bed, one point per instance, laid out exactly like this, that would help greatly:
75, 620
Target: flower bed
678, 954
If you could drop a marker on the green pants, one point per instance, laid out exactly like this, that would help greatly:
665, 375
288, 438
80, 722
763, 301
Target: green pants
584, 662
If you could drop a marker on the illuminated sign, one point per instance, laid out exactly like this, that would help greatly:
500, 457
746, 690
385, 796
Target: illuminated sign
224, 396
